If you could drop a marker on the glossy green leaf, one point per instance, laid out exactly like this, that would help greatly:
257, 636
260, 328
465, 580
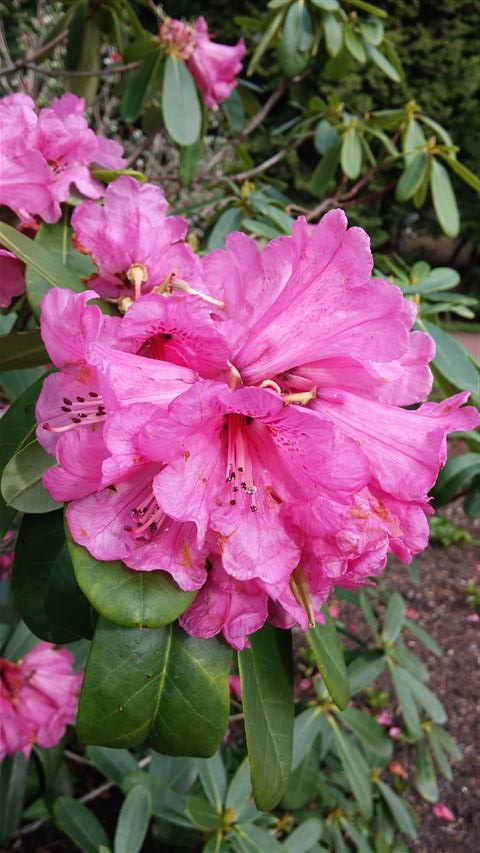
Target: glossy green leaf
254, 839
304, 836
409, 661
302, 782
297, 39
465, 174
46, 593
326, 5
401, 685
80, 824
202, 814
267, 695
229, 220
159, 684
451, 359
38, 259
370, 734
356, 769
240, 794
382, 62
351, 154
21, 483
372, 30
394, 616
133, 820
413, 177
413, 140
425, 779
189, 159
448, 742
88, 59
325, 136
56, 239
137, 86
20, 350
399, 810
13, 781
125, 597
369, 8
364, 670
355, 46
306, 729
180, 103
426, 699
113, 763
333, 34
440, 756
327, 651
444, 200
454, 478
325, 170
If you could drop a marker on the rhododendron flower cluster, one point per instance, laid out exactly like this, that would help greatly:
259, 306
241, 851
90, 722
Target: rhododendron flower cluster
43, 155
38, 699
213, 66
242, 426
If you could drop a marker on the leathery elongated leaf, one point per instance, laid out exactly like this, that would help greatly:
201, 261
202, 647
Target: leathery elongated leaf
156, 683
267, 693
327, 650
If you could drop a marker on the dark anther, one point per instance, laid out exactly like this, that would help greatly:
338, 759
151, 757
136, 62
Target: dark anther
243, 485
153, 527
76, 420
127, 527
233, 502
234, 488
253, 508
45, 426
92, 394
67, 401
66, 409
81, 399
248, 420
82, 415
241, 470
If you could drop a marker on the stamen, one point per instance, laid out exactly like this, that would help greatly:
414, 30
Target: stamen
269, 383
85, 410
235, 377
149, 518
303, 398
239, 464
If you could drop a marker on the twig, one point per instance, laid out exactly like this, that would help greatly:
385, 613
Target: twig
33, 56
322, 207
63, 72
235, 718
248, 129
272, 161
92, 795
138, 151
79, 759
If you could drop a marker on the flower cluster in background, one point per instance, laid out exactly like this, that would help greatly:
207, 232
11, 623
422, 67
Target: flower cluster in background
38, 699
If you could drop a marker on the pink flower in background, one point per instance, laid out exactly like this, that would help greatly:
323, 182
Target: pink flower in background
213, 66
7, 554
442, 811
395, 732
12, 277
42, 156
235, 687
134, 244
385, 719
38, 699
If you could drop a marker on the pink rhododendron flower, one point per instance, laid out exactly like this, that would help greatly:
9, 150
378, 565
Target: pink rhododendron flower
213, 66
248, 410
38, 699
385, 719
43, 155
235, 687
12, 277
134, 244
442, 811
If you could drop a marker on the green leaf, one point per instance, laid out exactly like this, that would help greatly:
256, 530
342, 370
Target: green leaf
326, 5
356, 769
133, 820
90, 43
213, 778
46, 593
444, 200
382, 62
370, 734
425, 779
394, 616
333, 34
413, 177
451, 359
424, 638
409, 661
125, 597
56, 239
158, 683
113, 763
38, 259
364, 670
372, 31
264, 42
302, 782
203, 814
399, 811
189, 159
19, 350
304, 836
137, 86
327, 651
448, 742
428, 701
325, 170
22, 480
413, 140
465, 174
351, 154
267, 695
325, 136
180, 104
297, 39
369, 8
355, 46
440, 756
13, 781
107, 176
80, 824
240, 794
401, 684
307, 727
229, 220
254, 839
454, 478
